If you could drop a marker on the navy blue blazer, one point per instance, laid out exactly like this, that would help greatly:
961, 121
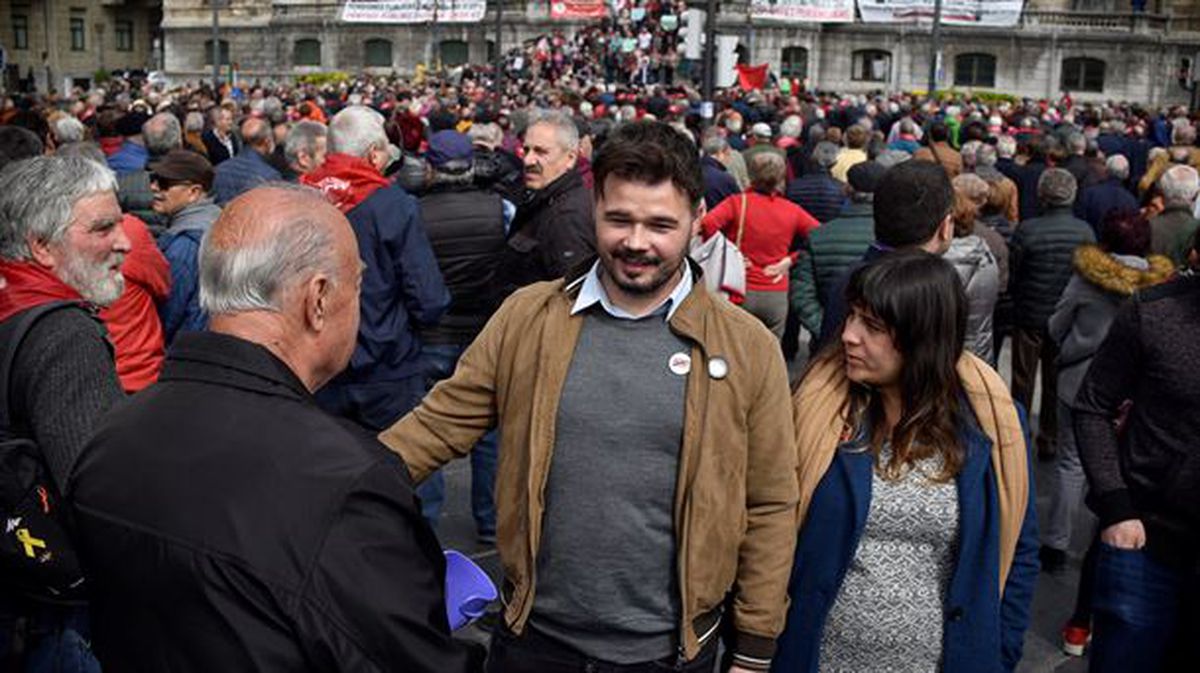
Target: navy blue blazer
983, 633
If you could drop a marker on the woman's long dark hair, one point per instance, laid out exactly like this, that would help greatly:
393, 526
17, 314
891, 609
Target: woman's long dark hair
921, 300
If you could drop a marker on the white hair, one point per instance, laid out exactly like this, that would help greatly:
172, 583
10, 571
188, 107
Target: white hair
1118, 166
252, 276
564, 126
1179, 185
68, 129
37, 196
791, 127
356, 130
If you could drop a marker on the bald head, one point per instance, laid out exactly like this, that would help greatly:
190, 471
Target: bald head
280, 268
258, 133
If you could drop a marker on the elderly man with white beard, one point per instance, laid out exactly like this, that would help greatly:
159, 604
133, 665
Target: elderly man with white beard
61, 250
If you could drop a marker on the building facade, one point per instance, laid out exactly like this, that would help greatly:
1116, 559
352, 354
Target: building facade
1094, 49
57, 44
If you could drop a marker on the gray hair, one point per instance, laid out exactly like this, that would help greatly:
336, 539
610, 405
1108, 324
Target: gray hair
253, 275
87, 150
1056, 187
194, 122
714, 144
791, 127
487, 134
1117, 166
1076, 143
162, 134
563, 123
985, 155
356, 130
1006, 147
37, 196
969, 152
302, 138
1183, 132
1179, 185
826, 154
889, 158
68, 129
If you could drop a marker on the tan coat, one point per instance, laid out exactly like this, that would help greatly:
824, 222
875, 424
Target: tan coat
735, 502
942, 154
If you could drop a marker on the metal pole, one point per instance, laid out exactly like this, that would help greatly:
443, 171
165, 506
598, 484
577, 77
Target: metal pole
710, 50
216, 47
498, 76
935, 46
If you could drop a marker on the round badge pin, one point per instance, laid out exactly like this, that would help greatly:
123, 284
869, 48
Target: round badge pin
680, 364
718, 368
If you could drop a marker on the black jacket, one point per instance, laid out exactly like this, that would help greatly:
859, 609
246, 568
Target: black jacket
1151, 471
228, 524
1040, 263
500, 171
551, 234
718, 183
465, 226
217, 151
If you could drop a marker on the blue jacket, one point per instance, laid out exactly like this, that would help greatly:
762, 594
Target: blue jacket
718, 183
180, 244
984, 633
818, 193
129, 158
242, 173
402, 288
1097, 200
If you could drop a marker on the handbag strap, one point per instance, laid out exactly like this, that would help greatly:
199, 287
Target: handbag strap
741, 222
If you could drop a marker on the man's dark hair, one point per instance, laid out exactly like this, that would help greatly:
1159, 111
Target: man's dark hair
939, 132
650, 152
911, 201
18, 143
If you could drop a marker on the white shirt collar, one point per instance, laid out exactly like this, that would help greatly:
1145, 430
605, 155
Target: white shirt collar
592, 292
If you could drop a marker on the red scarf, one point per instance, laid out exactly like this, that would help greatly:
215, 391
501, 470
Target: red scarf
345, 180
28, 285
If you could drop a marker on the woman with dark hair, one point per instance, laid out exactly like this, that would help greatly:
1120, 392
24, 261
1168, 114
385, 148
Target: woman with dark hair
1105, 276
917, 547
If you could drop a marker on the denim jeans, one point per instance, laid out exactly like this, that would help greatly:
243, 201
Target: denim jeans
1141, 611
56, 639
532, 652
439, 361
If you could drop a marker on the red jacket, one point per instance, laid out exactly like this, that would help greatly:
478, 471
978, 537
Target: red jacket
132, 320
772, 224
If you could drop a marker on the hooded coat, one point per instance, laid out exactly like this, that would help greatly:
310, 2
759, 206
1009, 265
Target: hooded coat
980, 274
1090, 302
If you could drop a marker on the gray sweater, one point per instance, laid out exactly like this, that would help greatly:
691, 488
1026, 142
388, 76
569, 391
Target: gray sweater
63, 382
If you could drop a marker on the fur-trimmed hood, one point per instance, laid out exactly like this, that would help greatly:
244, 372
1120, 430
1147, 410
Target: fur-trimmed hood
1118, 274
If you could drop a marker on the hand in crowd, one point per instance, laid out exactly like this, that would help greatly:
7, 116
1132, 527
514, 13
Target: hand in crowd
1129, 534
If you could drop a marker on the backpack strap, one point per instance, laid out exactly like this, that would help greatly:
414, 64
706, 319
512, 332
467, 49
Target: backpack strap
12, 333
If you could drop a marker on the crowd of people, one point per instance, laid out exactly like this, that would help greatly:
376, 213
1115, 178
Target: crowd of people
244, 328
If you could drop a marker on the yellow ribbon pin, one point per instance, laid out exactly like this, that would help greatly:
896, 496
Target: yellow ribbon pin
29, 541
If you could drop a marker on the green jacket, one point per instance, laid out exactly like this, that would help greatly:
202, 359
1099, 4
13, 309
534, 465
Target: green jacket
828, 253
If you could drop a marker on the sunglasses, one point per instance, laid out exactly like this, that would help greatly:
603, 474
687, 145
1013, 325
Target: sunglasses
167, 183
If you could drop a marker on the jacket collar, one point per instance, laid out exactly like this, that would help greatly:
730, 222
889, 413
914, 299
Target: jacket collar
561, 185
227, 360
713, 163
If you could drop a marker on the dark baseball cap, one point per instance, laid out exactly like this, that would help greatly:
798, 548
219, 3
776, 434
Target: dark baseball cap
450, 152
183, 166
131, 123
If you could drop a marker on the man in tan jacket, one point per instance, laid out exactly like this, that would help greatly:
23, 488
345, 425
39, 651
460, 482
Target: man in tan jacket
646, 490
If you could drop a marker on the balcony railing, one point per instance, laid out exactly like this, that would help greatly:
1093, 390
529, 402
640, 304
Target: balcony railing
1096, 21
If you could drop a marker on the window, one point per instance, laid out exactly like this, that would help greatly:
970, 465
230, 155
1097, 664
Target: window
124, 35
378, 53
307, 52
20, 23
453, 52
1082, 74
975, 70
794, 63
77, 35
208, 52
491, 51
871, 65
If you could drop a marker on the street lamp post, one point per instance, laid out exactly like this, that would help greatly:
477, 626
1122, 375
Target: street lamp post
216, 46
935, 46
498, 76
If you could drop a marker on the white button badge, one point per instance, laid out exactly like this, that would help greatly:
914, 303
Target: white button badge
680, 364
718, 368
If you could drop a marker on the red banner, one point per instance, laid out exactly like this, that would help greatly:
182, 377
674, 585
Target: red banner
578, 9
752, 76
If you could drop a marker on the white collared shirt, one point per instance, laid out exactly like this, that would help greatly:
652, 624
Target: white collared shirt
592, 292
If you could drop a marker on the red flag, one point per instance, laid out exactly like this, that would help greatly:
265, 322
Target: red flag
752, 76
578, 9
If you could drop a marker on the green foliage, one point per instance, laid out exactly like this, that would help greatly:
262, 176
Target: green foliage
100, 76
952, 94
324, 78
